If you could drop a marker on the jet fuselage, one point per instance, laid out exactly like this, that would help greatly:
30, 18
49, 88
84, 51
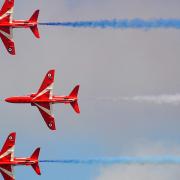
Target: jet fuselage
44, 99
32, 99
19, 161
18, 24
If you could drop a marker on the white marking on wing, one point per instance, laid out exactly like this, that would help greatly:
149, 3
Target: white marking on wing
49, 88
9, 36
48, 111
9, 151
9, 173
9, 12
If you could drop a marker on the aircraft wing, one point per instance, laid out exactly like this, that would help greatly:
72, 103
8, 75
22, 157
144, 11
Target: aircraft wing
46, 89
46, 112
6, 12
7, 172
6, 35
7, 152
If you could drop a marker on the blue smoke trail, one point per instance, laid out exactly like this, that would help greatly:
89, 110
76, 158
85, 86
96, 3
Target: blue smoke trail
120, 160
121, 24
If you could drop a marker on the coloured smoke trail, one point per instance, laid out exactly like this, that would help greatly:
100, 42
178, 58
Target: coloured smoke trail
121, 24
120, 160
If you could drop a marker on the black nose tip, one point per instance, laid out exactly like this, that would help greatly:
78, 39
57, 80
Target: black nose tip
7, 99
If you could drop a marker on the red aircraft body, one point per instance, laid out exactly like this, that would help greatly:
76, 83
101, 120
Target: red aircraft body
7, 24
44, 99
8, 161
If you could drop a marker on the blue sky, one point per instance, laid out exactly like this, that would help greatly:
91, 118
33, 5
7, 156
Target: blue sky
107, 64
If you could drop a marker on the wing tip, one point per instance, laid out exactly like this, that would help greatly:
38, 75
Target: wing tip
51, 71
50, 74
12, 135
11, 50
52, 127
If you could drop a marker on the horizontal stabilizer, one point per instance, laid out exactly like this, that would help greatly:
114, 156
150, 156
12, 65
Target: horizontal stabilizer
34, 19
35, 31
35, 166
75, 106
74, 94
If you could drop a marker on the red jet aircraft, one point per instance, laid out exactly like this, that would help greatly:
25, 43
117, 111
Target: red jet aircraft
44, 99
8, 161
7, 24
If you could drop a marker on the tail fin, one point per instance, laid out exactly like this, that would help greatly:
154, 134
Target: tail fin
74, 94
34, 19
35, 166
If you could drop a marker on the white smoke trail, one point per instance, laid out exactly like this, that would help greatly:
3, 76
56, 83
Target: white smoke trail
156, 99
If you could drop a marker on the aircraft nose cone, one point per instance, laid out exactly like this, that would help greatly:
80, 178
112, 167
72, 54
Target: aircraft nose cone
8, 99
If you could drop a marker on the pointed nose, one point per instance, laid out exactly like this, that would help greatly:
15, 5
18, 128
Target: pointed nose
9, 100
